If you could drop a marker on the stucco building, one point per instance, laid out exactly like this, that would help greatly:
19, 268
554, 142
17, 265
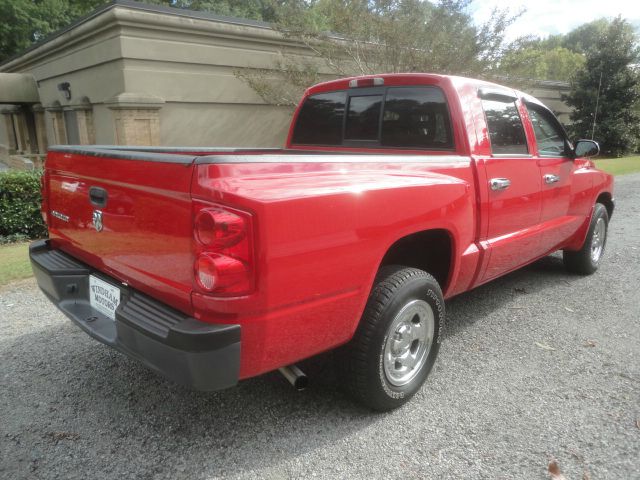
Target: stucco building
136, 74
131, 73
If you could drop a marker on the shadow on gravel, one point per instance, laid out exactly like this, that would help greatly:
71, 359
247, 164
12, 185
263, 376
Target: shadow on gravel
468, 308
83, 411
80, 410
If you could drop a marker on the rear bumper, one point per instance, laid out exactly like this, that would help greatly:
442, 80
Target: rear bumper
196, 354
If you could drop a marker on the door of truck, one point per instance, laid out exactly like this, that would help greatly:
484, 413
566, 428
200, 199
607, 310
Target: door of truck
553, 152
514, 190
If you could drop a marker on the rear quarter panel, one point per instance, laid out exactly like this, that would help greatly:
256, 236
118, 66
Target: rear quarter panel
323, 229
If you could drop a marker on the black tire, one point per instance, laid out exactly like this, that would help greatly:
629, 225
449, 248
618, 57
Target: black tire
361, 363
583, 262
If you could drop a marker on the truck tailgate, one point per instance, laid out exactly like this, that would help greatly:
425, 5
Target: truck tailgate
127, 214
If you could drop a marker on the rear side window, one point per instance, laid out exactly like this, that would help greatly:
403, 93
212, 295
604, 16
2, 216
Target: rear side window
400, 117
505, 127
320, 120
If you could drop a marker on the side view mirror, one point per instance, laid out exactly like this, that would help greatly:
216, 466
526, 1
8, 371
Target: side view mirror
586, 148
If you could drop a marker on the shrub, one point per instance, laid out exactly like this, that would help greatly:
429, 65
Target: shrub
20, 206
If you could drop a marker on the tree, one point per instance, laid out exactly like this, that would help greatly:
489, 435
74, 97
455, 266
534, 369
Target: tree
356, 37
605, 93
585, 37
253, 9
557, 57
535, 62
28, 21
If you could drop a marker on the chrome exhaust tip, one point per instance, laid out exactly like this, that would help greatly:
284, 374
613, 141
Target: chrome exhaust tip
295, 377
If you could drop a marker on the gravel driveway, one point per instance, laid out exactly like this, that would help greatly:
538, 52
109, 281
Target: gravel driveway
535, 365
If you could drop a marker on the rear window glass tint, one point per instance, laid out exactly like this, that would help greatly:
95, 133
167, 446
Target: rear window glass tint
413, 117
320, 120
363, 117
416, 117
505, 127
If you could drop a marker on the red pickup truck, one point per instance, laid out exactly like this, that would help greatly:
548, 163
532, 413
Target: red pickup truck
394, 193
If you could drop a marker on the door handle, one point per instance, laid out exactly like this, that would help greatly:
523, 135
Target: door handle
98, 196
549, 178
499, 183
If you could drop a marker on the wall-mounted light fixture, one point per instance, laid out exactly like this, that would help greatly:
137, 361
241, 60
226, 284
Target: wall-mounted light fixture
65, 88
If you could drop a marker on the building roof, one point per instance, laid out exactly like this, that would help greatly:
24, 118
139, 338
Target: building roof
18, 88
142, 7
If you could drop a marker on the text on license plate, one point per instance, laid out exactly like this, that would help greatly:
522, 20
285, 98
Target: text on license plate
103, 296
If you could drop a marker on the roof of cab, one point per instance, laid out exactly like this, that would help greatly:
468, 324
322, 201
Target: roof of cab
389, 79
399, 79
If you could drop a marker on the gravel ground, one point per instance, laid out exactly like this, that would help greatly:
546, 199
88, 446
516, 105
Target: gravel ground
535, 365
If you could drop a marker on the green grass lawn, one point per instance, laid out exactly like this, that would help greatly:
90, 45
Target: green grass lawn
14, 262
619, 166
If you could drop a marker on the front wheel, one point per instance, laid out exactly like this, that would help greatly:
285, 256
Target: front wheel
587, 260
397, 340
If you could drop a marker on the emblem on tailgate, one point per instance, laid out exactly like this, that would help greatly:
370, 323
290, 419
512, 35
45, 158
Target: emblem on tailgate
97, 220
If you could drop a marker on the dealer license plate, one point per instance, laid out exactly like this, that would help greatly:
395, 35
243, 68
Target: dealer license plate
103, 296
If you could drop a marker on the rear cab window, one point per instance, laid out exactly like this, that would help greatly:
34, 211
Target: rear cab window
381, 117
320, 119
362, 117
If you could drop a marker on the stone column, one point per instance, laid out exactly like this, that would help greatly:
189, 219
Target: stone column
84, 117
41, 128
85, 127
7, 114
137, 118
57, 120
22, 131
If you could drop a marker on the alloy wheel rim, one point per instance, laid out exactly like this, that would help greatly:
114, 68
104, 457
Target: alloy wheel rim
408, 342
598, 239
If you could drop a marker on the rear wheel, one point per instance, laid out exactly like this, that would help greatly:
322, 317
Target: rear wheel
587, 260
397, 340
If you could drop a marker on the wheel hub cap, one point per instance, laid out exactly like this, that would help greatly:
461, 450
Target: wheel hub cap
408, 342
598, 239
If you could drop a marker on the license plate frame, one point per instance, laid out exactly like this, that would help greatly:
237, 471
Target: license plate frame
104, 296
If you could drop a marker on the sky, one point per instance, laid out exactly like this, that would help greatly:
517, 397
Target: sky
547, 17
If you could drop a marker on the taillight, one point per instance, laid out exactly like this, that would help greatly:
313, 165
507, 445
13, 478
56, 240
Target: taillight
214, 272
224, 250
216, 227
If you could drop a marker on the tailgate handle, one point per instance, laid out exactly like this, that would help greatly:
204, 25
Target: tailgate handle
98, 196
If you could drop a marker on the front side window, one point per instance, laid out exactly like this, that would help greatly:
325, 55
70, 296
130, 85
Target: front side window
549, 135
506, 132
